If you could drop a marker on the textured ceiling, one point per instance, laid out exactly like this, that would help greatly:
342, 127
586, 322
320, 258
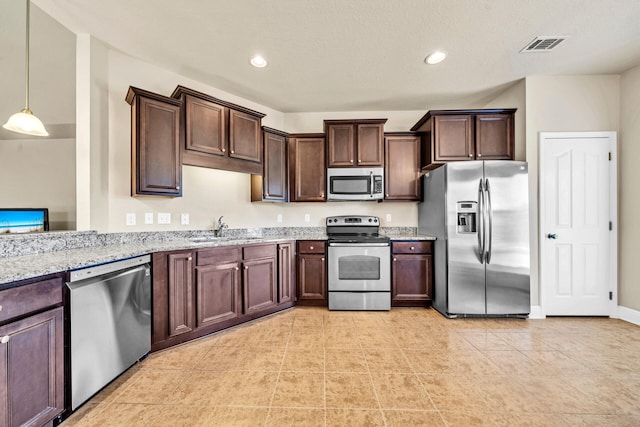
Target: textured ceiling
350, 55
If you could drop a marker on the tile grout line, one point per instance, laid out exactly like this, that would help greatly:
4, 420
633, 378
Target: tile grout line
275, 387
375, 392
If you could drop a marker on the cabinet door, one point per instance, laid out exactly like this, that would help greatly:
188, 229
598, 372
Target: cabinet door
341, 145
180, 295
308, 178
312, 278
259, 284
369, 147
156, 163
218, 293
411, 279
32, 373
494, 137
285, 272
275, 168
245, 140
454, 138
402, 168
205, 126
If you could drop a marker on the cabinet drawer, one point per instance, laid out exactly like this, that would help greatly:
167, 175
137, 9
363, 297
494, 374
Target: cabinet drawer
259, 251
311, 247
411, 247
30, 298
218, 255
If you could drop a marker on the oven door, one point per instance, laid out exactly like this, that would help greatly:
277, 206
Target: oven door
359, 267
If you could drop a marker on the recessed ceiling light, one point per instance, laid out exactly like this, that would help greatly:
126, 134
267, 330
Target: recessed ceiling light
258, 61
435, 57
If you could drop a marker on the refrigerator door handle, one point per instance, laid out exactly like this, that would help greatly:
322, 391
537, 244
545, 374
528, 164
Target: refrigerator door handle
490, 217
480, 222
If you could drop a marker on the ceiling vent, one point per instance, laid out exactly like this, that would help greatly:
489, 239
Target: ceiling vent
543, 44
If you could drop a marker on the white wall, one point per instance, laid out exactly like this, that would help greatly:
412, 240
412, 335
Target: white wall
628, 194
38, 172
562, 104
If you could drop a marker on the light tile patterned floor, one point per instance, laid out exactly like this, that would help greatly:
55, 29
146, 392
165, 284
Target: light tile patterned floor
406, 367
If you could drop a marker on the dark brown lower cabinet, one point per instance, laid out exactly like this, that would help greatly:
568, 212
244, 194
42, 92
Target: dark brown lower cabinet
32, 373
196, 293
311, 272
286, 273
218, 293
181, 293
259, 284
32, 370
411, 273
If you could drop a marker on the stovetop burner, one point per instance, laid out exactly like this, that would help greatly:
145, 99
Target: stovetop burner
354, 229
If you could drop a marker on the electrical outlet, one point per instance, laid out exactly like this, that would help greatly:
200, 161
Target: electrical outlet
131, 219
388, 217
279, 218
307, 217
184, 219
148, 218
164, 218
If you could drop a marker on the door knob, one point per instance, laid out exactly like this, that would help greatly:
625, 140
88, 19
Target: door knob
552, 236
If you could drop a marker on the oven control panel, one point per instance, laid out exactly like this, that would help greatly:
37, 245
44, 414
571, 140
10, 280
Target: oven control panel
351, 220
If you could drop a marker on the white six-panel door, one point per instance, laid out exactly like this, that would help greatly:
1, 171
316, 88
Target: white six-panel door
575, 215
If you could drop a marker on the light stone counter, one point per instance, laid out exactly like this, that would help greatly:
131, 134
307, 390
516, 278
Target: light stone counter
27, 256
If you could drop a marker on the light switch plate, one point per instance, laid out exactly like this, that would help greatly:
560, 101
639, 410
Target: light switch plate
148, 218
279, 218
164, 218
307, 217
131, 219
388, 217
184, 219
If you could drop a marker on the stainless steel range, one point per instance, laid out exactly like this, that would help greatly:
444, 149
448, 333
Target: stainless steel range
359, 267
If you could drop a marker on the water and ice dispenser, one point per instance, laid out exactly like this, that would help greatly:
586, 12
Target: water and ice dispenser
466, 213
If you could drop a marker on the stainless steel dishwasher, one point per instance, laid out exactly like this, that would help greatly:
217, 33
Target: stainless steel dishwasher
110, 323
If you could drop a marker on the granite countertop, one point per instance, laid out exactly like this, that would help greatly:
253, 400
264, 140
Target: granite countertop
50, 256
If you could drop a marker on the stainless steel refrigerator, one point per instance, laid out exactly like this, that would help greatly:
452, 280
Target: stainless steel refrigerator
479, 213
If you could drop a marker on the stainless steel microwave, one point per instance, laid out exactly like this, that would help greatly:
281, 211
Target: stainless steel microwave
355, 184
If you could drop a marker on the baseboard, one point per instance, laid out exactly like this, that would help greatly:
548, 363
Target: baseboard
536, 312
629, 315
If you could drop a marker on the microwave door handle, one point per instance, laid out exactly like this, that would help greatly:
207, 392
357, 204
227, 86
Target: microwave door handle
371, 182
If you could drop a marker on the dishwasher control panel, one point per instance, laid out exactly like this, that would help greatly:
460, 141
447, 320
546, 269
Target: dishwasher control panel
100, 269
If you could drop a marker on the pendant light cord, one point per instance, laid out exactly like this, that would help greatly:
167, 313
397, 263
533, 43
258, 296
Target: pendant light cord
26, 64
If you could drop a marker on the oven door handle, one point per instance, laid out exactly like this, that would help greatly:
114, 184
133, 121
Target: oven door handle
358, 244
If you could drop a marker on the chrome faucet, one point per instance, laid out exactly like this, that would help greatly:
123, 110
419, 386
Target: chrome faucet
219, 227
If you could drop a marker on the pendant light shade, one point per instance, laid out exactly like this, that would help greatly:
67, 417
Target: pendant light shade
25, 121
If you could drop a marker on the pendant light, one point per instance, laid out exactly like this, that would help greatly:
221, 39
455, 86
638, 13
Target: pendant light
24, 121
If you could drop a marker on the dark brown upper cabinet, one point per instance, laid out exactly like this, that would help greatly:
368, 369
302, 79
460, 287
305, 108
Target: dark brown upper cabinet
307, 172
218, 134
156, 166
355, 143
402, 166
272, 186
462, 135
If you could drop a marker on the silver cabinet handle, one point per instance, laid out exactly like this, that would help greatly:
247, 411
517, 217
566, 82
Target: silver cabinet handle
237, 268
479, 155
5, 339
310, 247
233, 152
224, 149
246, 267
412, 248
189, 259
322, 259
471, 155
395, 259
0, 308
